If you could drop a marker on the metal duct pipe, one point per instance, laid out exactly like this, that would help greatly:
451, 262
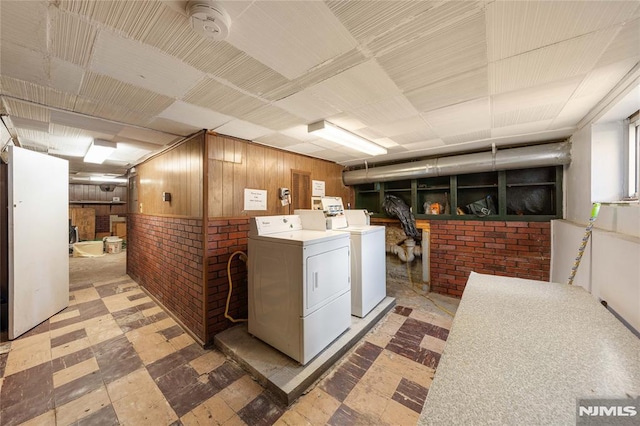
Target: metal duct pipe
554, 154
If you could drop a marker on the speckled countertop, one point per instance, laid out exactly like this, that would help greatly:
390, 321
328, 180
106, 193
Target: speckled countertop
522, 352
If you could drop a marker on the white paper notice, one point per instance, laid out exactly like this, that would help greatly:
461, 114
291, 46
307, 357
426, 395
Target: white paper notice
255, 199
317, 188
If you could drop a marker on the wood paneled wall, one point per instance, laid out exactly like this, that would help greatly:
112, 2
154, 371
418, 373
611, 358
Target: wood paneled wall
234, 165
85, 192
178, 171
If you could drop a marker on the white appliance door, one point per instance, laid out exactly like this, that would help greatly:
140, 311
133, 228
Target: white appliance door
38, 238
328, 276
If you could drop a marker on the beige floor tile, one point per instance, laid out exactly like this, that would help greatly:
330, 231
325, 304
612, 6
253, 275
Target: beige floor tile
29, 356
240, 393
164, 324
292, 418
182, 341
117, 302
156, 352
102, 328
395, 318
152, 311
317, 406
213, 411
208, 362
66, 329
23, 342
142, 342
140, 333
433, 344
235, 421
82, 407
46, 419
138, 381
381, 381
74, 372
144, 409
397, 414
85, 295
398, 364
1, 380
64, 316
364, 400
441, 320
69, 348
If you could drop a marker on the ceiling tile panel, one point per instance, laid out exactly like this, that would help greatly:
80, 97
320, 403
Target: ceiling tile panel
170, 126
304, 148
385, 111
455, 49
133, 63
211, 56
193, 115
366, 20
111, 112
29, 124
400, 127
517, 27
76, 133
527, 114
521, 129
146, 135
250, 75
272, 117
475, 115
24, 23
460, 88
72, 39
417, 146
290, 37
69, 119
301, 133
243, 130
556, 62
212, 94
467, 137
172, 33
361, 85
306, 105
27, 110
626, 45
19, 62
278, 140
65, 76
37, 93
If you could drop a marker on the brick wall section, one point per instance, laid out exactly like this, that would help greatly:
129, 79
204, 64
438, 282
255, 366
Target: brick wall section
516, 249
224, 237
102, 223
165, 256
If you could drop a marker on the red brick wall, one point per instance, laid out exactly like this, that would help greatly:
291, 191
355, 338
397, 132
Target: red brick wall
516, 249
102, 223
164, 255
224, 237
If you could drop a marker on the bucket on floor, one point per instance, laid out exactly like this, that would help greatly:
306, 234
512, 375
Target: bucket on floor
113, 244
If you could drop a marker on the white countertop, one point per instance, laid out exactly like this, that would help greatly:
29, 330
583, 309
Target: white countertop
523, 352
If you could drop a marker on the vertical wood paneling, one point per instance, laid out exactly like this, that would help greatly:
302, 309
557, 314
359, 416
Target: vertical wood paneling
178, 171
235, 165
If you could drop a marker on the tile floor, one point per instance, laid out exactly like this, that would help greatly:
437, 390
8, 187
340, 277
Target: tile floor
114, 357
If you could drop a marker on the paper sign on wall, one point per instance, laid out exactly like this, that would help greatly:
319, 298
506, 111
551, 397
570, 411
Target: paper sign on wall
255, 199
317, 188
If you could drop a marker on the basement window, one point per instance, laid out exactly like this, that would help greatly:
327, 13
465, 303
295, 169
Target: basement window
632, 181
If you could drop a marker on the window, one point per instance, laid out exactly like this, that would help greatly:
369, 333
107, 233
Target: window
633, 158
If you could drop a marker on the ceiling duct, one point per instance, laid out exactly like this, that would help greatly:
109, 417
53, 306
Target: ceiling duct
554, 154
209, 18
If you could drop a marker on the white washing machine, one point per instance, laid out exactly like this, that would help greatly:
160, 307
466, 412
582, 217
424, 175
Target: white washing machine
299, 286
368, 257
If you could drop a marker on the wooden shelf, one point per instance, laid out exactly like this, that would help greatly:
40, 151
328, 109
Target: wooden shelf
98, 202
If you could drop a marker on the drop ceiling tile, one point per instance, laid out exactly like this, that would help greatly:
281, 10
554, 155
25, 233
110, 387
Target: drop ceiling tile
521, 129
110, 112
417, 146
36, 93
356, 87
272, 117
69, 147
560, 61
347, 122
22, 63
457, 48
69, 119
300, 133
370, 133
212, 94
278, 140
195, 116
517, 27
459, 88
388, 110
128, 153
306, 105
76, 133
464, 118
170, 126
171, 32
115, 93
408, 138
243, 130
72, 39
151, 69
29, 124
290, 37
65, 76
304, 148
386, 142
146, 135
24, 23
408, 125
366, 20
28, 110
625, 46
479, 135
211, 56
335, 156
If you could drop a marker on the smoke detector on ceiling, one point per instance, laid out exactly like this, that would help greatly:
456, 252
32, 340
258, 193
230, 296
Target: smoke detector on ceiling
209, 18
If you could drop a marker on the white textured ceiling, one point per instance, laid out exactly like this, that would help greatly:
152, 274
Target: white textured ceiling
417, 77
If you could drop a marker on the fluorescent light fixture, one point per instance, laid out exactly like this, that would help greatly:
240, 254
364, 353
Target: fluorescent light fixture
99, 151
107, 179
333, 133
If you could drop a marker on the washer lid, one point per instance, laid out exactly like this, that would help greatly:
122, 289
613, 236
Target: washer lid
302, 237
363, 229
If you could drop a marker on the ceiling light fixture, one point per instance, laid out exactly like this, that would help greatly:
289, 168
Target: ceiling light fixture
107, 179
333, 133
99, 150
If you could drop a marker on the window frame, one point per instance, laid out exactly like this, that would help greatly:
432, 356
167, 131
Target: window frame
632, 175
